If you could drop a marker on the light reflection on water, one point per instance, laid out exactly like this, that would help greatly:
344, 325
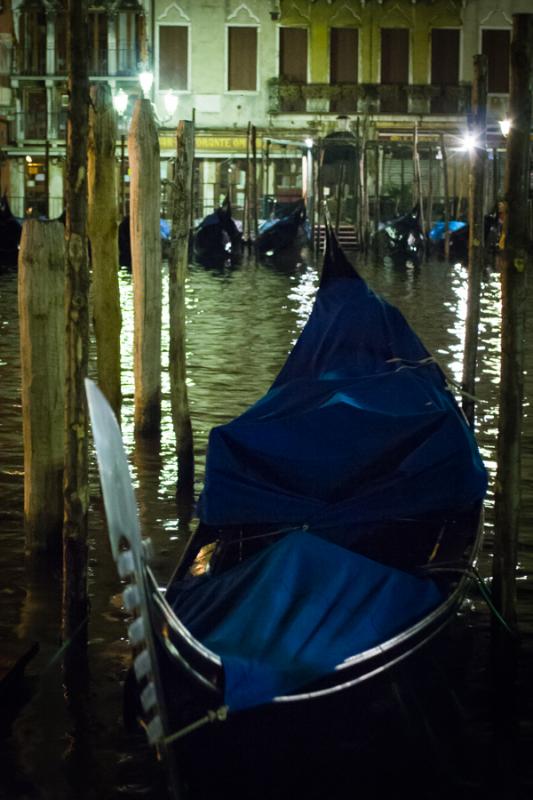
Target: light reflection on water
241, 323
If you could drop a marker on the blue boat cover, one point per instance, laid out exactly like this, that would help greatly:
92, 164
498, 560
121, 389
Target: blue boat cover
359, 427
437, 231
294, 611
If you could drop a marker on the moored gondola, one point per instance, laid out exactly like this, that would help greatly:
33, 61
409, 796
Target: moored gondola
217, 240
459, 233
401, 241
339, 517
285, 234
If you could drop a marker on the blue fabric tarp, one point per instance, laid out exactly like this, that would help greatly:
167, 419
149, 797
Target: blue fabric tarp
359, 427
294, 611
437, 231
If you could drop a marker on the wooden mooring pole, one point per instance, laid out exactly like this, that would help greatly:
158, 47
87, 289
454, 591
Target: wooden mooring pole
446, 188
476, 236
177, 271
145, 198
41, 288
103, 227
75, 484
515, 262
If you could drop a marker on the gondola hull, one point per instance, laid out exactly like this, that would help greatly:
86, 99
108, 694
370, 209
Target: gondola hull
283, 237
217, 240
338, 522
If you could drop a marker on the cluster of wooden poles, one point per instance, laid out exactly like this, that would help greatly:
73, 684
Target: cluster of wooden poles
58, 293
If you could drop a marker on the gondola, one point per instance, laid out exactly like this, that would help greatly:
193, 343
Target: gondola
338, 521
217, 240
401, 241
124, 240
459, 233
285, 234
10, 235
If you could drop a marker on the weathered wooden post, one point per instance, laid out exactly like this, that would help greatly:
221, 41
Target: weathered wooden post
515, 262
122, 175
103, 236
254, 181
319, 193
377, 200
41, 288
445, 183
429, 205
365, 211
143, 148
339, 195
177, 270
47, 177
192, 186
246, 209
75, 484
417, 180
476, 233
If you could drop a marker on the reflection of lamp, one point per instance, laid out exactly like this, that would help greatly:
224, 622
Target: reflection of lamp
146, 79
120, 101
505, 126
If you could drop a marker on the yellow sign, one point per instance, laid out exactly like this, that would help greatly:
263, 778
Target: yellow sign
224, 144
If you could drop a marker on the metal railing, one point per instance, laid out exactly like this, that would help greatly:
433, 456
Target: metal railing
33, 63
288, 96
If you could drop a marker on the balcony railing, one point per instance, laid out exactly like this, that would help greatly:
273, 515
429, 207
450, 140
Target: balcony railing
289, 97
38, 125
123, 61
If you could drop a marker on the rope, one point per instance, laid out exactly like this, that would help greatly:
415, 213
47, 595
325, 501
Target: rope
473, 574
220, 715
424, 362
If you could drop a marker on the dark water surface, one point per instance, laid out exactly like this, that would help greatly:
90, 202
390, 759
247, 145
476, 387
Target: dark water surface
241, 324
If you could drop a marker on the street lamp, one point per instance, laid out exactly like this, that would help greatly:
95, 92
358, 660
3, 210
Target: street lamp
170, 101
146, 79
120, 102
505, 126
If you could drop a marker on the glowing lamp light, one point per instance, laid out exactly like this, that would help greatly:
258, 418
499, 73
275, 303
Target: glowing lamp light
120, 101
308, 143
469, 142
170, 101
146, 79
505, 126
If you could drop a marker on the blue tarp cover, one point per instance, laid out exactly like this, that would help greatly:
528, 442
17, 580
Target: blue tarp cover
354, 430
437, 231
294, 611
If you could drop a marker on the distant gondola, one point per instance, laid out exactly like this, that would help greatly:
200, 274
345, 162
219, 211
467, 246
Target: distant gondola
124, 241
401, 240
10, 233
217, 239
459, 234
287, 232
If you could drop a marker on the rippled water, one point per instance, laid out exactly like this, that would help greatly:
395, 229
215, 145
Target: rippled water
240, 326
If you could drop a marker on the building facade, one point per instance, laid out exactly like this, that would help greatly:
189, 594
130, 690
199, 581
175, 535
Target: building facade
290, 68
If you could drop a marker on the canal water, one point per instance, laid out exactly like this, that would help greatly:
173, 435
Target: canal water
241, 323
